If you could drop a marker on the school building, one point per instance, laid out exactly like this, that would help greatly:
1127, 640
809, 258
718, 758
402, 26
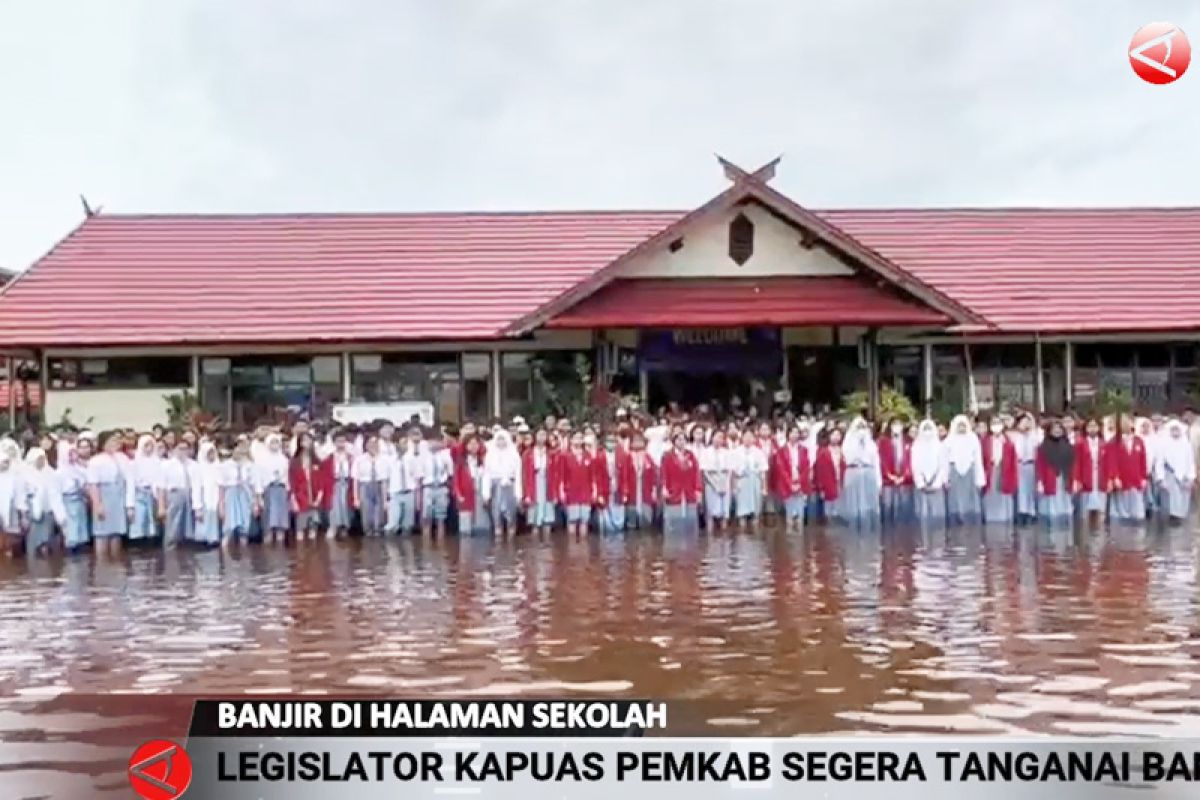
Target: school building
481, 313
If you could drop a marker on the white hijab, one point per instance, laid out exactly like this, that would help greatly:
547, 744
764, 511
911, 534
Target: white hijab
859, 447
926, 452
1175, 452
502, 461
206, 491
963, 449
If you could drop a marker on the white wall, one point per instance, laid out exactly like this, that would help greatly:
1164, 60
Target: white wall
109, 408
705, 252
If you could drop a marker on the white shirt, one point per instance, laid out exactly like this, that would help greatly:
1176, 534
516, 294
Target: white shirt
178, 475
102, 468
438, 468
405, 472
369, 468
237, 473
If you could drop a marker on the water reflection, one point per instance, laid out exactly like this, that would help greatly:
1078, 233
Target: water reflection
988, 631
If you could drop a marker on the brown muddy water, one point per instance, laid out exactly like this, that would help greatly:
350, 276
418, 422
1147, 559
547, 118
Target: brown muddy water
828, 632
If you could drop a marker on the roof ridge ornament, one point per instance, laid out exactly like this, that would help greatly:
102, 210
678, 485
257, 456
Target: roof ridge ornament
763, 174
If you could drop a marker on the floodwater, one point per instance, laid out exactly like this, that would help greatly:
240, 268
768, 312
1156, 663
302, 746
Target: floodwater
830, 631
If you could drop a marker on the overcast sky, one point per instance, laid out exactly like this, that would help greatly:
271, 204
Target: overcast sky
278, 105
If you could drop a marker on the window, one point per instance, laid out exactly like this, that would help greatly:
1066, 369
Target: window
477, 386
516, 370
741, 239
84, 373
399, 377
245, 391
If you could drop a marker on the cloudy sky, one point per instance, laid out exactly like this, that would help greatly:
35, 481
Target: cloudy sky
277, 105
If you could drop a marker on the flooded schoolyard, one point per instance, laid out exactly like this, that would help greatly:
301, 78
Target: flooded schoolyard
832, 631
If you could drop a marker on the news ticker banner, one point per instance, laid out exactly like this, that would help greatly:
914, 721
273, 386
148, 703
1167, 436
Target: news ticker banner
376, 748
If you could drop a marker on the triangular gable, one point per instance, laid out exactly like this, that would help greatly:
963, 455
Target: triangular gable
752, 187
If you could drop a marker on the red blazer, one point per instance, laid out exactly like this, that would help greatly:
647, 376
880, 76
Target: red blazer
578, 486
1083, 465
1127, 464
306, 484
625, 476
464, 487
1047, 478
649, 476
889, 464
827, 475
1008, 465
783, 484
553, 476
680, 477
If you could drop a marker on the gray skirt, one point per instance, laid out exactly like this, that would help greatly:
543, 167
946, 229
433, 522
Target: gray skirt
962, 499
115, 523
276, 513
339, 507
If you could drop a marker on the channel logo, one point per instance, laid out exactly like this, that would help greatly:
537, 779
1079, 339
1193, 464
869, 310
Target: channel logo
160, 770
1160, 53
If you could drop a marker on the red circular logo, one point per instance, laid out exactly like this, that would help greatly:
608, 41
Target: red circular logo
1160, 52
160, 770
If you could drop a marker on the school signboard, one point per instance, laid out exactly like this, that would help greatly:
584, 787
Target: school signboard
740, 351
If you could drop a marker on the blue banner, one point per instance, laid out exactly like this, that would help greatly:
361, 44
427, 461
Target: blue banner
738, 351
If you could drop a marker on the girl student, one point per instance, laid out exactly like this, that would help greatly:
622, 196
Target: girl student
966, 475
644, 491
436, 477
43, 503
1127, 479
751, 470
1056, 474
715, 469
792, 472
613, 474
681, 483
308, 486
1092, 473
862, 481
404, 483
13, 504
144, 490
206, 495
895, 462
107, 497
930, 468
541, 480
1025, 440
178, 479
369, 483
1175, 472
829, 469
578, 484
469, 482
72, 484
238, 493
1000, 473
273, 492
502, 482
341, 485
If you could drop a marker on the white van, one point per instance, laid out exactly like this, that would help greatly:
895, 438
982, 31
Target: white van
397, 413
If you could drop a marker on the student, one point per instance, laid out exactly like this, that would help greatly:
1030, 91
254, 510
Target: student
715, 471
178, 479
1127, 483
237, 493
578, 484
43, 502
681, 482
1150, 439
369, 487
1001, 475
863, 479
750, 473
502, 482
895, 462
1092, 473
106, 491
645, 486
436, 477
613, 476
271, 468
469, 482
405, 483
1056, 473
1175, 472
307, 486
930, 472
792, 473
206, 495
542, 482
1025, 440
72, 485
965, 476
144, 492
829, 470
340, 477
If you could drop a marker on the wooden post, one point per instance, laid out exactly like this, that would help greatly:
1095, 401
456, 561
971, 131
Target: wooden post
972, 397
12, 393
496, 381
927, 378
1069, 370
1039, 386
873, 373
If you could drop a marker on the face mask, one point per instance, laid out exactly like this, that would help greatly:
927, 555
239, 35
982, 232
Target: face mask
610, 446
997, 428
897, 429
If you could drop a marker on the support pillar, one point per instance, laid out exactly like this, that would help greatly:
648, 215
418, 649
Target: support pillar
1040, 383
872, 344
496, 398
927, 378
347, 378
1069, 370
12, 393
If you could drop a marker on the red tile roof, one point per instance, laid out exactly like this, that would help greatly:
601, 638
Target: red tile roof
376, 277
733, 302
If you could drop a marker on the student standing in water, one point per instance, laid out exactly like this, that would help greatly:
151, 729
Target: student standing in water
178, 477
643, 500
541, 481
44, 502
578, 484
1128, 480
681, 482
273, 490
72, 483
895, 461
717, 477
369, 486
863, 479
792, 472
307, 486
502, 484
13, 504
1092, 473
1056, 472
106, 491
436, 477
613, 476
341, 476
1175, 472
750, 472
1025, 440
206, 495
469, 482
1001, 471
965, 477
237, 493
404, 482
930, 471
144, 490
829, 470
